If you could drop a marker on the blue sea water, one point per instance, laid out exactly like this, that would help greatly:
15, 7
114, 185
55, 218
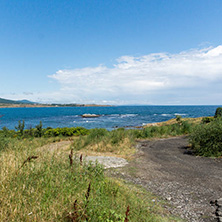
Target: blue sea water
111, 117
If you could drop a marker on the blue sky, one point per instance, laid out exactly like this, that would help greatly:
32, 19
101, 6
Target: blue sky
112, 52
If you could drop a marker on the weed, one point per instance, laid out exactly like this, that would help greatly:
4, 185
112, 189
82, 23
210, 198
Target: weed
71, 157
28, 160
127, 214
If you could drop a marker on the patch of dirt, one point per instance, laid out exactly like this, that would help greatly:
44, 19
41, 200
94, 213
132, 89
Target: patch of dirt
166, 168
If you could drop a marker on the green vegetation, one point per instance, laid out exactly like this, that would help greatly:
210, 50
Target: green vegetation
122, 141
207, 119
39, 184
218, 113
119, 141
206, 139
39, 131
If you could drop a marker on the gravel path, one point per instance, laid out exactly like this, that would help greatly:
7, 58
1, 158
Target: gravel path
166, 168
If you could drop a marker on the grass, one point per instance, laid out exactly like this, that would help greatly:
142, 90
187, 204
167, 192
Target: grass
41, 185
121, 142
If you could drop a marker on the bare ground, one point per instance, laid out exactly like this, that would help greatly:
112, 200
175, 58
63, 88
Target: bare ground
166, 168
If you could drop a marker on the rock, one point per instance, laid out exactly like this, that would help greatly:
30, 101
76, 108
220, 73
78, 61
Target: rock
169, 198
90, 115
219, 213
219, 202
108, 161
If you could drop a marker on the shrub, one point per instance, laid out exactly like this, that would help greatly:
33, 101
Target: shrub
218, 112
117, 136
206, 139
20, 127
178, 118
39, 131
186, 127
65, 131
207, 119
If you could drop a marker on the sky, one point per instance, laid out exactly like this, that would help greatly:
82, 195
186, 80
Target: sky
119, 52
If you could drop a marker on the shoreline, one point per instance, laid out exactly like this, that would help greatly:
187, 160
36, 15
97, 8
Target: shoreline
49, 105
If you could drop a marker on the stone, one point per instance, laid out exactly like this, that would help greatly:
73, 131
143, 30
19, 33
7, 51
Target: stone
90, 115
219, 202
219, 213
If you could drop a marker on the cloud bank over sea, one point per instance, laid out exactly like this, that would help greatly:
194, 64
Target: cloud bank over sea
148, 79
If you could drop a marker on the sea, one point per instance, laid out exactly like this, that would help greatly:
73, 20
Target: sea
110, 118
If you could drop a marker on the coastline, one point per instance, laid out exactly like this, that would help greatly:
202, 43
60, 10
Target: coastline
49, 105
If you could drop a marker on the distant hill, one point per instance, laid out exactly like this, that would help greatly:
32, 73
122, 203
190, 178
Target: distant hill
25, 101
8, 101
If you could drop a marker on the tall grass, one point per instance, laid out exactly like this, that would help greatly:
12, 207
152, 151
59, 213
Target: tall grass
49, 188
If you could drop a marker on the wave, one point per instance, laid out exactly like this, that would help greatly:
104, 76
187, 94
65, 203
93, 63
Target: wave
164, 114
113, 115
180, 114
128, 115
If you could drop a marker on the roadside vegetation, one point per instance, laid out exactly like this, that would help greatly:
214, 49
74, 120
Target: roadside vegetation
206, 138
58, 185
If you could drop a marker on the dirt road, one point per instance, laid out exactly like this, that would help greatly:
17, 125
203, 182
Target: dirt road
168, 169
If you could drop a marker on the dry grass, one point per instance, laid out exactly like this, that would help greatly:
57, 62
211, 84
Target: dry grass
124, 149
173, 121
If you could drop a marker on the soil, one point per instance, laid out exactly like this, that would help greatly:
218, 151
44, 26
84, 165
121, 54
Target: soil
168, 168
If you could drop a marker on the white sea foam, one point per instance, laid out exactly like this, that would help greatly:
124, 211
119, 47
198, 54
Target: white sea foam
180, 114
128, 115
164, 114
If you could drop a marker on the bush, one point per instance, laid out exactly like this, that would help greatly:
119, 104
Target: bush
207, 119
65, 131
117, 136
39, 131
218, 112
20, 128
178, 118
206, 139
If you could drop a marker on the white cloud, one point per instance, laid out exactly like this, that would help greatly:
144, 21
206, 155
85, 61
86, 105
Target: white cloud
137, 78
